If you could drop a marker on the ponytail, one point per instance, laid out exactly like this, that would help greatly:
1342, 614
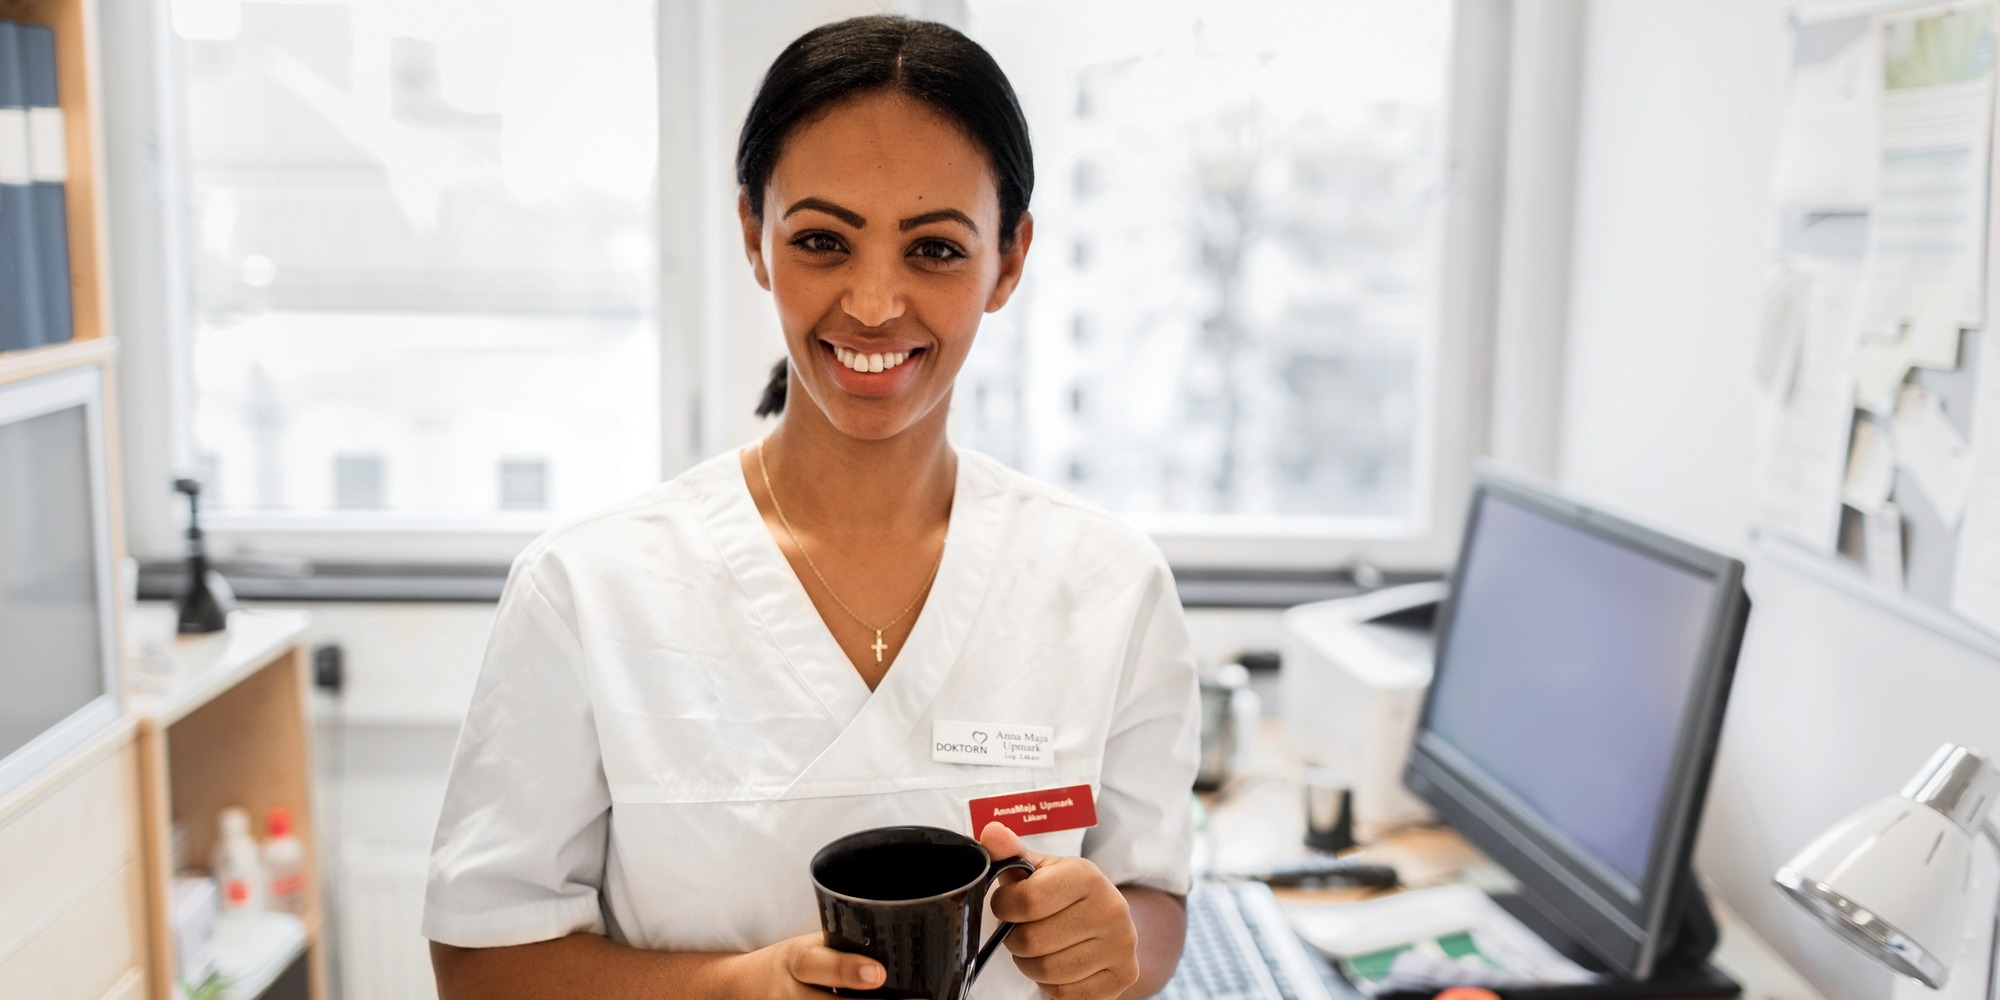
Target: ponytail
773, 401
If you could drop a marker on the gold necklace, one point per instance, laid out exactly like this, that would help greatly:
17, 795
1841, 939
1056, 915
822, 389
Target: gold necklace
879, 647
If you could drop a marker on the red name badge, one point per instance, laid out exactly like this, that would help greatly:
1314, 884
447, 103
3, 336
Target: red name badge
1044, 810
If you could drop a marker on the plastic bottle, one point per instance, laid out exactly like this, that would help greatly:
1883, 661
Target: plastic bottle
239, 875
284, 864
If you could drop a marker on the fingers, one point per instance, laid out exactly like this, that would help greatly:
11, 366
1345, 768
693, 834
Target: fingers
1101, 984
1056, 884
1002, 843
1107, 924
1076, 963
816, 964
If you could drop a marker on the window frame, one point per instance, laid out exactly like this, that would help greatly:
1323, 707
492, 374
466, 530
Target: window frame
709, 310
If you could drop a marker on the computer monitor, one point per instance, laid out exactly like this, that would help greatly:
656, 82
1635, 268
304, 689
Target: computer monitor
1582, 667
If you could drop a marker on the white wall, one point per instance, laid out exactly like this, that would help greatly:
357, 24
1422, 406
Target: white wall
1836, 702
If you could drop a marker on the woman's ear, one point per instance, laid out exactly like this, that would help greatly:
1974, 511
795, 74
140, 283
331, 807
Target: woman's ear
1012, 260
753, 238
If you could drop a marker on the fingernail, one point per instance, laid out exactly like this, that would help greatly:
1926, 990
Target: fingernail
872, 975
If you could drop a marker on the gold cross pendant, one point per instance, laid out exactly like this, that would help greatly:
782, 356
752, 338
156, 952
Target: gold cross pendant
879, 646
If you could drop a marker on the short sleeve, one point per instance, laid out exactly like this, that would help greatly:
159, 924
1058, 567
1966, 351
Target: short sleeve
520, 849
1145, 817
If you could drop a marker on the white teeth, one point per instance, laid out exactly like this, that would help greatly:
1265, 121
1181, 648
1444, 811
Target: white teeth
870, 362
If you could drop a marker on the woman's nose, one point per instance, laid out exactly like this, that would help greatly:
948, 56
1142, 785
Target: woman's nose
875, 297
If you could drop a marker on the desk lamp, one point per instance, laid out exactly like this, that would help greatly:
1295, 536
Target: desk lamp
1894, 878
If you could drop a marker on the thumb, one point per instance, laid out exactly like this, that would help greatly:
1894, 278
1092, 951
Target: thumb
1003, 843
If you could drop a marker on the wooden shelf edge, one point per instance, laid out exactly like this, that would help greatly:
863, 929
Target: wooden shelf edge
18, 366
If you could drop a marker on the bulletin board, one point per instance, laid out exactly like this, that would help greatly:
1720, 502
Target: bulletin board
1880, 460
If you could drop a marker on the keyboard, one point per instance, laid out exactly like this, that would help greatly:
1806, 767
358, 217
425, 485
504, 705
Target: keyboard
1241, 947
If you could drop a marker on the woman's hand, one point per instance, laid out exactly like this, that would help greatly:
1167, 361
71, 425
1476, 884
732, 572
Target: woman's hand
1073, 932
805, 967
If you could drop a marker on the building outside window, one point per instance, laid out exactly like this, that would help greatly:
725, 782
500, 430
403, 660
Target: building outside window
1230, 313
421, 230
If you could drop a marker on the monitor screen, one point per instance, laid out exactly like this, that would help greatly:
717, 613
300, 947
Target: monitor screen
1583, 666
51, 632
1572, 658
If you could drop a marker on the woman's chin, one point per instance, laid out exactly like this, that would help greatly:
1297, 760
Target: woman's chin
883, 418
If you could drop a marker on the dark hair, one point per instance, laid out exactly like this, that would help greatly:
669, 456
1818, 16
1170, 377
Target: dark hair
930, 62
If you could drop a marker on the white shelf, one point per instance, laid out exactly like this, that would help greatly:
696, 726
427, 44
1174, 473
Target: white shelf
202, 666
253, 949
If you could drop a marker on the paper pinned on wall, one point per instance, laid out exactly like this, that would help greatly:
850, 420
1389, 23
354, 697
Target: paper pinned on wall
1871, 468
1931, 338
1827, 150
1882, 540
1975, 589
1784, 318
1935, 123
1878, 370
1933, 452
1804, 455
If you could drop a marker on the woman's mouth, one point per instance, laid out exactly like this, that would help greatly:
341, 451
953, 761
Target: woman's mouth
879, 362
872, 373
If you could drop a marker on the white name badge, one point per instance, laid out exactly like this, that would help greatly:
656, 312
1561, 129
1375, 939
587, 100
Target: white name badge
1000, 744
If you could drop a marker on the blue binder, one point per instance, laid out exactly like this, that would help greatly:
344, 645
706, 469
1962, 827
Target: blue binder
20, 286
49, 170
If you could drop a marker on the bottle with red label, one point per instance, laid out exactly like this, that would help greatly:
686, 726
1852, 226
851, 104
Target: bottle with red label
239, 874
284, 864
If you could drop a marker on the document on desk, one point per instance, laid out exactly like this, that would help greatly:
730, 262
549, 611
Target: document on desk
1927, 232
1975, 590
1427, 939
1804, 455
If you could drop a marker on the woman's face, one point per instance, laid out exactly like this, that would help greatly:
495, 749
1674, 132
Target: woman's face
880, 242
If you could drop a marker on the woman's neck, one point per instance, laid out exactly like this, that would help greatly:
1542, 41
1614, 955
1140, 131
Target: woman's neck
828, 481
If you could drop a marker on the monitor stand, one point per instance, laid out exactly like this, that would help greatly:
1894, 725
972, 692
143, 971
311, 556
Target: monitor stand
1690, 977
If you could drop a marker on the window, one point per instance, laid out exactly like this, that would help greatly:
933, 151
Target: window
524, 484
492, 247
422, 236
1232, 316
358, 483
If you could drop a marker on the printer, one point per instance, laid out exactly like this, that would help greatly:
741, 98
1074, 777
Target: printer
1353, 681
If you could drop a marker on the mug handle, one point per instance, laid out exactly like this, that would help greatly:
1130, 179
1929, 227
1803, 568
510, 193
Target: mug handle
999, 933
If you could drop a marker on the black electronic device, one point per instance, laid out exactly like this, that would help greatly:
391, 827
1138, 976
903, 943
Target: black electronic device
1583, 664
1325, 871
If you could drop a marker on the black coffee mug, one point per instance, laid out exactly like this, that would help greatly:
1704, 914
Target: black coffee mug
910, 897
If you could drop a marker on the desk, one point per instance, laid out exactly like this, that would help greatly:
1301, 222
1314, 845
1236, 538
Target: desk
1259, 817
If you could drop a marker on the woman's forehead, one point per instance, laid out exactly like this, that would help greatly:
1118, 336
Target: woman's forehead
887, 153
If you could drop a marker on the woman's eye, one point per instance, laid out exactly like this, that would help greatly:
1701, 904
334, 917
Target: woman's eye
818, 243
937, 250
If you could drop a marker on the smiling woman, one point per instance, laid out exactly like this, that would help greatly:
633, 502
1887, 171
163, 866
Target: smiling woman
917, 63
690, 692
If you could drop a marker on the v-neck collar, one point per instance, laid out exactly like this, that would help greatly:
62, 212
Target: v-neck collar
787, 611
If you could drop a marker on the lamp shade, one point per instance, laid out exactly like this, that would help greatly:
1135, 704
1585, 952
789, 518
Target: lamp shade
1890, 879
1894, 879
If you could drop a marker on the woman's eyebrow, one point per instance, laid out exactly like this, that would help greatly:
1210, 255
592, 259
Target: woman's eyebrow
848, 216
939, 215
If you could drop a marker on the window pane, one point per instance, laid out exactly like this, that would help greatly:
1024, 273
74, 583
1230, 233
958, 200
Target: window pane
1231, 303
424, 251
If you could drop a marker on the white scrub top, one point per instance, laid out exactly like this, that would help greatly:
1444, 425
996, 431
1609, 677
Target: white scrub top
664, 731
